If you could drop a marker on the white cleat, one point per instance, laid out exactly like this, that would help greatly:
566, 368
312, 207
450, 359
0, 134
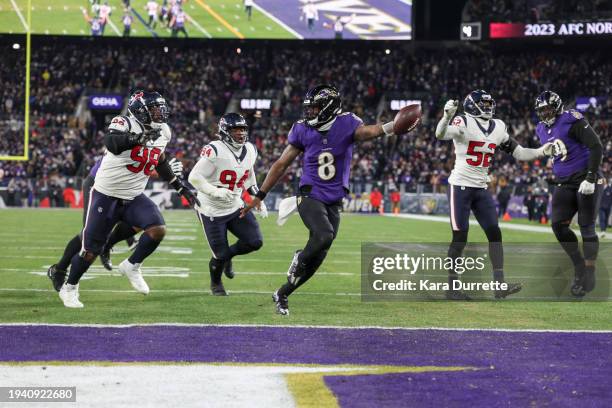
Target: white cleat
134, 274
70, 295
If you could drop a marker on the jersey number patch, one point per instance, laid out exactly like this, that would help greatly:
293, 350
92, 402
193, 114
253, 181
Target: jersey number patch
146, 159
479, 158
229, 177
327, 170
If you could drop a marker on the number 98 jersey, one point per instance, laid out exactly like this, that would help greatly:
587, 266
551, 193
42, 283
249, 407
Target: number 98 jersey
125, 175
475, 143
327, 156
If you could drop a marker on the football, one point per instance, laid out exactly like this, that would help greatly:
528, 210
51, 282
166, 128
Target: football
406, 119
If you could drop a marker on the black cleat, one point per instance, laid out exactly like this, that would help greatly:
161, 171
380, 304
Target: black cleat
228, 269
57, 276
282, 304
512, 289
588, 279
578, 289
106, 261
456, 295
217, 289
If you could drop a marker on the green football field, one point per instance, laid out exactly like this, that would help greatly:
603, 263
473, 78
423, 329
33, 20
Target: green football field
178, 276
207, 19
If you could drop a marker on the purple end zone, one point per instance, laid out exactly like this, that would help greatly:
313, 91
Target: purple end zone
378, 13
515, 368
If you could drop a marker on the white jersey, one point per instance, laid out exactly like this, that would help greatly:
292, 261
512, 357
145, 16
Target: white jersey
248, 3
475, 143
152, 8
105, 11
224, 168
311, 12
125, 175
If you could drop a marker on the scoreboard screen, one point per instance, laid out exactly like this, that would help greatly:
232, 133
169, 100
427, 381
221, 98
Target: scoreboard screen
574, 29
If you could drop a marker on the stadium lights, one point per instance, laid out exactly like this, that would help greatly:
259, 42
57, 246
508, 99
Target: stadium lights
238, 50
387, 51
165, 49
16, 46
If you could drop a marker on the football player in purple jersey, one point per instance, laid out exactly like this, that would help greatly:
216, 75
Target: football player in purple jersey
325, 136
577, 156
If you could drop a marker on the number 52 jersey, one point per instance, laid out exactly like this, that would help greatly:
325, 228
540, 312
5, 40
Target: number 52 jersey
475, 143
125, 175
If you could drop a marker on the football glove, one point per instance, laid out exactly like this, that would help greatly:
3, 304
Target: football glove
559, 149
547, 149
450, 108
223, 194
586, 188
189, 196
177, 167
262, 211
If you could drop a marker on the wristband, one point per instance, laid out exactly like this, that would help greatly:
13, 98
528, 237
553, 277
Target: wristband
591, 177
388, 128
261, 194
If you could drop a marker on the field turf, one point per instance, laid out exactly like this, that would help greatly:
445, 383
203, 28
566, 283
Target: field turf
208, 19
177, 273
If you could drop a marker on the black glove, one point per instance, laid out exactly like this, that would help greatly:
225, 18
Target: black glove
153, 133
138, 139
189, 196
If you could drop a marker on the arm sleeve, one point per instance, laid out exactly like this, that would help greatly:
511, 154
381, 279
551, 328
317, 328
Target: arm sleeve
118, 137
449, 131
203, 169
117, 142
511, 146
584, 133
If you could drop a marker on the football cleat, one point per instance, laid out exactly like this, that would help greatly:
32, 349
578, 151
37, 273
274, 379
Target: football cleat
291, 272
456, 295
512, 289
70, 295
217, 289
106, 261
134, 275
577, 289
282, 304
57, 276
228, 269
588, 279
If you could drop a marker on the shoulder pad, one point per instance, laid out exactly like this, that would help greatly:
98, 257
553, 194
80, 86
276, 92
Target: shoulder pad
575, 114
166, 131
355, 117
458, 121
210, 151
300, 121
120, 123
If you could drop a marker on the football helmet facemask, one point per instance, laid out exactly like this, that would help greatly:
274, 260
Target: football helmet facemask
479, 104
547, 106
321, 105
148, 107
233, 130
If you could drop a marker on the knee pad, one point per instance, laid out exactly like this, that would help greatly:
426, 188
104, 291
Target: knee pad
588, 231
458, 244
88, 256
324, 240
563, 232
157, 233
255, 245
493, 234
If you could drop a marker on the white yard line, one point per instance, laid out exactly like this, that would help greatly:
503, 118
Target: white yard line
199, 27
16, 8
302, 326
277, 21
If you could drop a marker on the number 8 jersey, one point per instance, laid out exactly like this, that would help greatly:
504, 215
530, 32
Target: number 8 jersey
125, 175
475, 141
327, 156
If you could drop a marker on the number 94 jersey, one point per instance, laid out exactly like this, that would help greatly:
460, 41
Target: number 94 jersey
225, 168
475, 143
125, 175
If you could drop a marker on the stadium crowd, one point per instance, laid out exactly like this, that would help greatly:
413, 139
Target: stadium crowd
532, 11
199, 81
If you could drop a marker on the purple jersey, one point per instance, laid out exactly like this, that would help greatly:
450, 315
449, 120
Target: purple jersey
95, 168
327, 157
577, 158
